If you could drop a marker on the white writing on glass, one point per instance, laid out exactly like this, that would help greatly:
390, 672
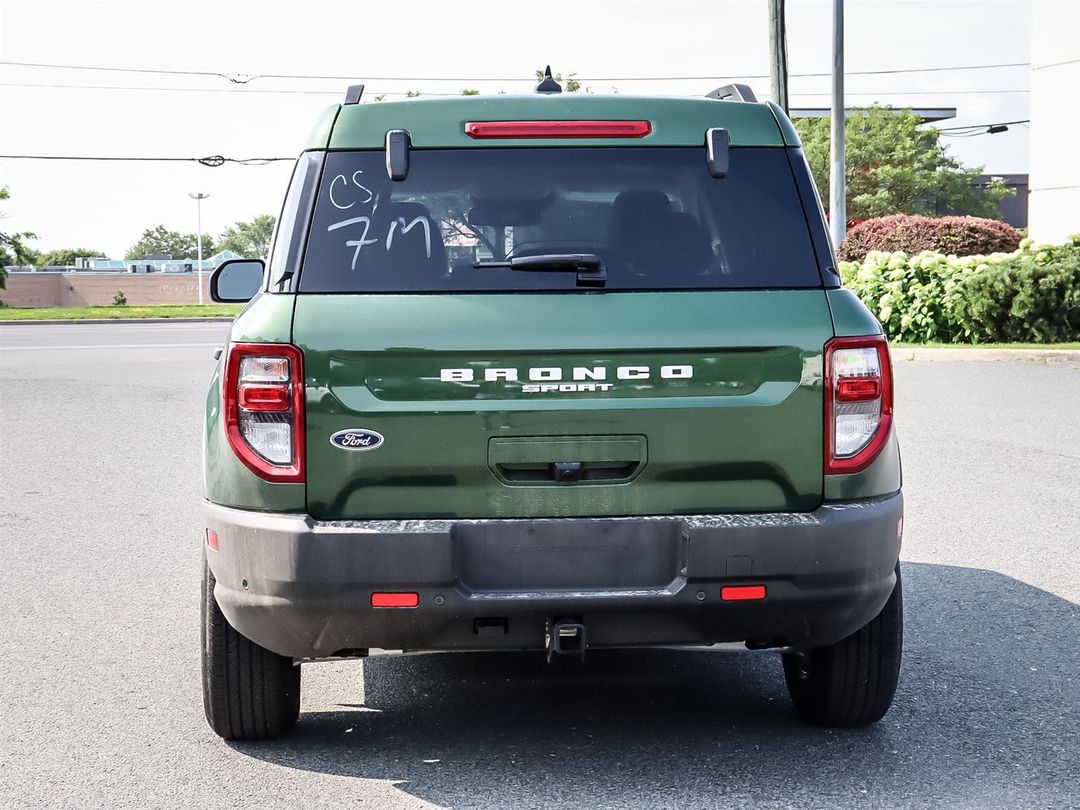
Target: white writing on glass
355, 243
345, 192
336, 204
341, 179
400, 222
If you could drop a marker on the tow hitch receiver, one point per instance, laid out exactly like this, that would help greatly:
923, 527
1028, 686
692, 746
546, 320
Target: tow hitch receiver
565, 637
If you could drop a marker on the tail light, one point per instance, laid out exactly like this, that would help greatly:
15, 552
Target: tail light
263, 401
858, 402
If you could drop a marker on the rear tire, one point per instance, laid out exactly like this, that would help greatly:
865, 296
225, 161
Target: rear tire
249, 693
851, 682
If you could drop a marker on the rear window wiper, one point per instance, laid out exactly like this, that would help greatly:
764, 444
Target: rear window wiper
588, 266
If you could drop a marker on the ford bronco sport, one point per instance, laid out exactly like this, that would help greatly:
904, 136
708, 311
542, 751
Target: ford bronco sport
551, 373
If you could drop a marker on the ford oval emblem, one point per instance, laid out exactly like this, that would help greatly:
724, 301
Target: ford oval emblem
359, 439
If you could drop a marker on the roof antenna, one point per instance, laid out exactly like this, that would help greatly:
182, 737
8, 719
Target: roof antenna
548, 85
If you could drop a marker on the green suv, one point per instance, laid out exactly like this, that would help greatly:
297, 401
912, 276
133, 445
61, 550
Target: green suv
552, 373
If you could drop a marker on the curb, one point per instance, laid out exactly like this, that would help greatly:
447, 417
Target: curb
54, 321
935, 354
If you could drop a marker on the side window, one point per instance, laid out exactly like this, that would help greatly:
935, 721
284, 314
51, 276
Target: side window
290, 232
815, 217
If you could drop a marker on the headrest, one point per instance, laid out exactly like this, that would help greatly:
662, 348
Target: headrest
638, 208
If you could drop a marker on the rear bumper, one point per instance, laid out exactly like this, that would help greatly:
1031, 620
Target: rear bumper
302, 588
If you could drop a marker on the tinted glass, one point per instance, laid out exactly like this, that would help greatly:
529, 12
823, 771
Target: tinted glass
291, 228
655, 217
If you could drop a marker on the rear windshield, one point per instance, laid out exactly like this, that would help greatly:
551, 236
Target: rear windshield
655, 217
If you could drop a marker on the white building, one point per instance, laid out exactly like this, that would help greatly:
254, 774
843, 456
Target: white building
1054, 203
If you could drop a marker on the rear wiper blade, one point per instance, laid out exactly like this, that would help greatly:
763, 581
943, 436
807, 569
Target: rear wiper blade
588, 266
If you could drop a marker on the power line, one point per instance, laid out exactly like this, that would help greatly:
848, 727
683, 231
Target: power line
238, 78
923, 93
245, 78
199, 89
981, 129
449, 95
922, 70
211, 160
984, 126
711, 77
1057, 64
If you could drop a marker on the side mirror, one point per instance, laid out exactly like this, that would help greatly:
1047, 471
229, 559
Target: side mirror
236, 281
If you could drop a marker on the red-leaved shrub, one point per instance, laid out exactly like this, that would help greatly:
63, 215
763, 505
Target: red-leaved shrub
962, 236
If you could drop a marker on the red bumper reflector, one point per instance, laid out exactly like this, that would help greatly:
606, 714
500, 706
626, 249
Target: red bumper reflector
558, 129
211, 539
858, 389
742, 593
395, 600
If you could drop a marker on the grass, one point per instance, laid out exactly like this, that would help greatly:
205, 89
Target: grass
1073, 346
119, 313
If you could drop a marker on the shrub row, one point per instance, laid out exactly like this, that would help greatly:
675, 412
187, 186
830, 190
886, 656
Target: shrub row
1029, 295
958, 236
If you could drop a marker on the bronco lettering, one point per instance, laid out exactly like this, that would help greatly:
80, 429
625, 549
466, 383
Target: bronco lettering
548, 379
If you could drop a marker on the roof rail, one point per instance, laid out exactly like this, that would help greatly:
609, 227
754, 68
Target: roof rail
733, 92
352, 95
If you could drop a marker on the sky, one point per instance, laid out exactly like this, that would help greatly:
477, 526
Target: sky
393, 47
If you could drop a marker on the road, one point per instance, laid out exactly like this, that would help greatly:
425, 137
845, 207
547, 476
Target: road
101, 558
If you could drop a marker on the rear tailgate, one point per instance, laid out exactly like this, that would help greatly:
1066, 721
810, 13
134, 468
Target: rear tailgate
670, 402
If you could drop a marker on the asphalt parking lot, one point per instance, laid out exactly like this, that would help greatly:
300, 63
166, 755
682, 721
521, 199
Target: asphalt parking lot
101, 696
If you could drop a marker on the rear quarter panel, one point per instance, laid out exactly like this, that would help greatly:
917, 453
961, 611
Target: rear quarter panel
267, 319
851, 318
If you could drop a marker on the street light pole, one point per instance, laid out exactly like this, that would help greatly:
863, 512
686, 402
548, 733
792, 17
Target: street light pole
778, 67
837, 189
198, 196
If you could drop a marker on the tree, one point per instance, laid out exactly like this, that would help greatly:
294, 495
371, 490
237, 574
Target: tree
249, 239
468, 92
13, 247
173, 243
66, 256
893, 167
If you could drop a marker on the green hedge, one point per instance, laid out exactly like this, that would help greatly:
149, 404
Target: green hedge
1029, 295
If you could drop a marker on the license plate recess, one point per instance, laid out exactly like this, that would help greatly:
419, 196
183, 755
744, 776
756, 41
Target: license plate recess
567, 555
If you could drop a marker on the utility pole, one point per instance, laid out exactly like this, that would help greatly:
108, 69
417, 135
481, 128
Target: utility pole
837, 189
198, 197
778, 67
